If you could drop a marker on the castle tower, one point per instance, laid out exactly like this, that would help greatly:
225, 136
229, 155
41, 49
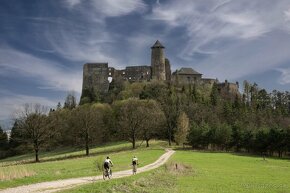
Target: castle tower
95, 81
158, 61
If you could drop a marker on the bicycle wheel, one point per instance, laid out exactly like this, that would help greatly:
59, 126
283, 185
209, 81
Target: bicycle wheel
104, 175
134, 169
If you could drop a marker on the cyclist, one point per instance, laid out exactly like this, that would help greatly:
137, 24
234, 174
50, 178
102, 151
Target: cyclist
107, 163
134, 164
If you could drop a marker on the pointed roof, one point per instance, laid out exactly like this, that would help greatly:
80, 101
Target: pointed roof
187, 71
157, 45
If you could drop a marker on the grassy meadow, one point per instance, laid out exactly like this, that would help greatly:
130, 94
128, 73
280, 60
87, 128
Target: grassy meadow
205, 173
56, 165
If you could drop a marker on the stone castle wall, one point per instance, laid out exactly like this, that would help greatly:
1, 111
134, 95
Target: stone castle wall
96, 75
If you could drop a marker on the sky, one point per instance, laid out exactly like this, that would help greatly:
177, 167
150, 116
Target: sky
44, 43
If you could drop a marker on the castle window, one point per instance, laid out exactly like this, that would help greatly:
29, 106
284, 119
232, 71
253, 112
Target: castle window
129, 78
110, 73
123, 72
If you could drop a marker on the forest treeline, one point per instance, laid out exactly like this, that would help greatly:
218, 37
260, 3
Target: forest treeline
197, 115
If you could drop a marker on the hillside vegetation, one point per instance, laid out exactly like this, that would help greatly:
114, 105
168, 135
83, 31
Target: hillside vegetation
203, 116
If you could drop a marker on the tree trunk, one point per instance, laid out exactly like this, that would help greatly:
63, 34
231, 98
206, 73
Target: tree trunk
36, 154
133, 141
147, 142
87, 144
36, 149
169, 136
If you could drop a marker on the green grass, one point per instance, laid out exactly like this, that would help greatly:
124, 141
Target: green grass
76, 167
209, 173
65, 153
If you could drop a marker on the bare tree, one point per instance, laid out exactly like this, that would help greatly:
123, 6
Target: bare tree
70, 101
33, 123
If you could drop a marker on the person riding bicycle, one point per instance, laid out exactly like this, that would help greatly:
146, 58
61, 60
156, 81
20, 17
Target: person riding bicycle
135, 161
134, 164
107, 163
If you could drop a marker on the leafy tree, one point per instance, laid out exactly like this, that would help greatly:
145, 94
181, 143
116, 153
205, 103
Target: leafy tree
18, 141
155, 121
88, 124
261, 140
214, 95
182, 129
237, 136
3, 144
3, 139
171, 107
199, 135
130, 115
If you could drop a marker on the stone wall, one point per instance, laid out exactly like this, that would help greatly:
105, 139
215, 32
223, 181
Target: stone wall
95, 77
167, 69
138, 73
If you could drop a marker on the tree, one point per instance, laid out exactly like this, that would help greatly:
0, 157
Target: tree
17, 141
199, 135
33, 122
154, 120
3, 143
3, 140
182, 129
214, 95
88, 124
58, 107
171, 107
139, 119
70, 101
236, 137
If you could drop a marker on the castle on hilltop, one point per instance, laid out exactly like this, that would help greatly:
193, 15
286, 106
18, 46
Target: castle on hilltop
96, 76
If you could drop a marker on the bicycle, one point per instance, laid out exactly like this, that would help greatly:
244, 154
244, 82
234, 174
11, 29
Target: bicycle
107, 173
134, 168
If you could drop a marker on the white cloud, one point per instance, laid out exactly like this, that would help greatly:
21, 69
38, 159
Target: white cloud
88, 39
113, 8
249, 57
49, 74
72, 3
210, 21
11, 104
285, 76
108, 8
287, 15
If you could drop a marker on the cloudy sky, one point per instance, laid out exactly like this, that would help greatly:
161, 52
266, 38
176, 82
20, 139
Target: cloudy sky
44, 44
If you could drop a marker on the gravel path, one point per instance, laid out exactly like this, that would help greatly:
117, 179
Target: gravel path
58, 185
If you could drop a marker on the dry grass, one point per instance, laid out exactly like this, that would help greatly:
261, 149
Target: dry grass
179, 168
10, 173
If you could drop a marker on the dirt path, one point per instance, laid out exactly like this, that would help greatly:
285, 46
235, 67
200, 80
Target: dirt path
58, 185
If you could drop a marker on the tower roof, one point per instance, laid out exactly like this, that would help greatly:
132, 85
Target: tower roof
157, 45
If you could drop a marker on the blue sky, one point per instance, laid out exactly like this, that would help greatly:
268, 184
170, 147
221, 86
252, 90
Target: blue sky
44, 44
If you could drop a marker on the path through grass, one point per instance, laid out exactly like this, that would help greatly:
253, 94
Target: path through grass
77, 167
207, 173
